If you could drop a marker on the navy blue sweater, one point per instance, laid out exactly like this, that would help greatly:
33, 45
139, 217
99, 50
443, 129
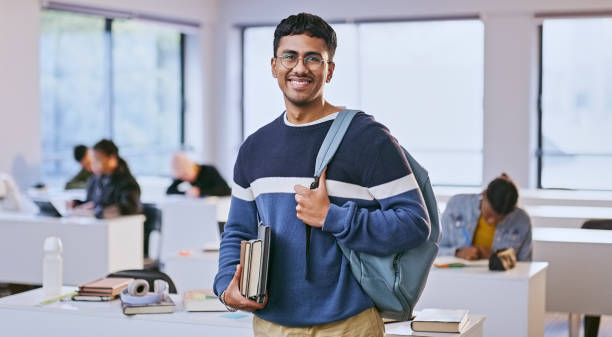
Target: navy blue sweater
376, 207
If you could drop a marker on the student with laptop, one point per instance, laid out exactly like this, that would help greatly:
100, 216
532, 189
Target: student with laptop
476, 225
372, 203
112, 190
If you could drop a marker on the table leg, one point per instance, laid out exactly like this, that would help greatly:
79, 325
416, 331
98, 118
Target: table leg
574, 325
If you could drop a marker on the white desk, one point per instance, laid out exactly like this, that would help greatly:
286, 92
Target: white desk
580, 273
513, 301
92, 247
63, 319
474, 328
538, 197
68, 318
565, 216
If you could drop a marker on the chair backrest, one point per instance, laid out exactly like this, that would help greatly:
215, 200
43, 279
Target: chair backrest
148, 275
598, 224
153, 222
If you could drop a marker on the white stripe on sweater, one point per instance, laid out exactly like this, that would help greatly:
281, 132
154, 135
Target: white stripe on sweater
334, 188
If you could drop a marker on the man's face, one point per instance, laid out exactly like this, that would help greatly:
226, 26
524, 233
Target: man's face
86, 161
103, 164
302, 85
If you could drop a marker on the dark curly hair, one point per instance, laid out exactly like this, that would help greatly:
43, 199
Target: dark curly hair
502, 194
310, 24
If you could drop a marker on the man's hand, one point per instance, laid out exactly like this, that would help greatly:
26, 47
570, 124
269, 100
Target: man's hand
86, 206
468, 253
484, 252
193, 192
235, 300
312, 205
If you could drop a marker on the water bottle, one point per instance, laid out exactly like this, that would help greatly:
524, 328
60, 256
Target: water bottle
52, 267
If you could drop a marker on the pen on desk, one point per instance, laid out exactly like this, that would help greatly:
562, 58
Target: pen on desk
467, 237
59, 298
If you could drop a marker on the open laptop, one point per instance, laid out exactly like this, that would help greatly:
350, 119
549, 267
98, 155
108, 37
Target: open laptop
48, 208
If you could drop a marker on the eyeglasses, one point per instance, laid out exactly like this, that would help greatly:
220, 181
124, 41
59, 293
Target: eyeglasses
313, 63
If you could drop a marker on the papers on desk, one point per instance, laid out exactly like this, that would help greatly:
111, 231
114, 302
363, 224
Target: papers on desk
202, 300
455, 262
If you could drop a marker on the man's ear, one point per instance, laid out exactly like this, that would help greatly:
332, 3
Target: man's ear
273, 65
330, 71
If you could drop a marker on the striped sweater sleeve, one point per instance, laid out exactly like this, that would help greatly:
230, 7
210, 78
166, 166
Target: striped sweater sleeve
241, 225
400, 222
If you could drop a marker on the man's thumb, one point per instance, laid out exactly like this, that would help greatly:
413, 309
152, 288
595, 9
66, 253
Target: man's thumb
237, 273
322, 179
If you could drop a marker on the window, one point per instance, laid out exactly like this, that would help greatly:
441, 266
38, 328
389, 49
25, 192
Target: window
118, 79
576, 104
408, 75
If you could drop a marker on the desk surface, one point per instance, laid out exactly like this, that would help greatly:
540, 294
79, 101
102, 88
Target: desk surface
28, 301
586, 212
73, 220
522, 271
25, 305
572, 235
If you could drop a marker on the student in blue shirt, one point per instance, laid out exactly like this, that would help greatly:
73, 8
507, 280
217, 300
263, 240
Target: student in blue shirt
367, 199
475, 225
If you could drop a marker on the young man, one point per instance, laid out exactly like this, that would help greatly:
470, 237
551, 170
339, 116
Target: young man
475, 225
81, 155
195, 180
112, 191
367, 200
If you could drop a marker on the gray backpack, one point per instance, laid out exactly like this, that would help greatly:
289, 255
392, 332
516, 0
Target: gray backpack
395, 282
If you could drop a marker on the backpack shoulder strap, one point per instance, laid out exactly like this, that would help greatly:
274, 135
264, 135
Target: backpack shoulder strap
332, 140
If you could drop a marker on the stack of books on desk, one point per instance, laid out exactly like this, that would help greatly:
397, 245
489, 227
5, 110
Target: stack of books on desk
104, 289
254, 259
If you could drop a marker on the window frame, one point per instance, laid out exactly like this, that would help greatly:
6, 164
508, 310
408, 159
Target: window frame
540, 153
108, 62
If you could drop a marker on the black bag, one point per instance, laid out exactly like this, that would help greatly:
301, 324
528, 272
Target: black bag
503, 259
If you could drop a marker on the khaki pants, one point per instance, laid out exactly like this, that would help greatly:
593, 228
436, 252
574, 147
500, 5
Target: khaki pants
365, 324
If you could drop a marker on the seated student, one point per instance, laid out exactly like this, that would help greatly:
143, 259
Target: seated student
112, 190
475, 225
196, 180
81, 155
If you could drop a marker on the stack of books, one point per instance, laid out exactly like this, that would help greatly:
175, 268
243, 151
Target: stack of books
254, 259
104, 289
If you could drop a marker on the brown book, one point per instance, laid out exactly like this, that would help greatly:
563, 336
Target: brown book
245, 258
166, 306
109, 286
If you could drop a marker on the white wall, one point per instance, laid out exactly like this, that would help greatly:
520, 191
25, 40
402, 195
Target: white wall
511, 65
20, 138
19, 91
